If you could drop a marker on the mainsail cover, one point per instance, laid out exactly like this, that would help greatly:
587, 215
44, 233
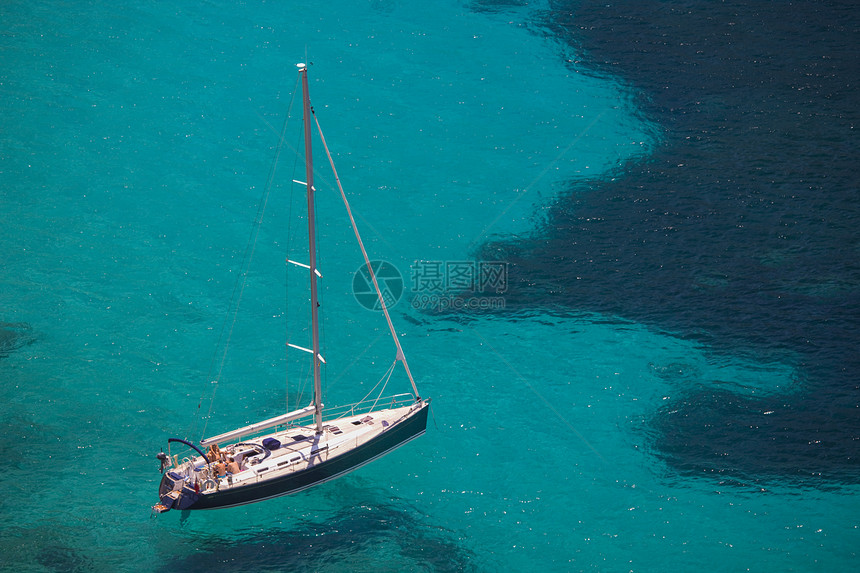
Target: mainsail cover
250, 429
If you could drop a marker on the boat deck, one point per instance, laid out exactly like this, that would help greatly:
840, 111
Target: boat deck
300, 449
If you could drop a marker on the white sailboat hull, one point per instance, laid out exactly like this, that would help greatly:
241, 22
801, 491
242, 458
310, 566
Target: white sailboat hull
303, 460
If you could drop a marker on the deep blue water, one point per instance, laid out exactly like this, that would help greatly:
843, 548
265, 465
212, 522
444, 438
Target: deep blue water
739, 232
670, 382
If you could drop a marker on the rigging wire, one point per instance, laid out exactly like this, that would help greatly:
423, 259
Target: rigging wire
241, 280
322, 322
400, 355
288, 248
385, 378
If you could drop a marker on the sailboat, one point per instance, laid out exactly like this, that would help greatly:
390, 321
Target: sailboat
305, 447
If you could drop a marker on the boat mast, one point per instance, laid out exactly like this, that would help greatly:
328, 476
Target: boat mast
312, 247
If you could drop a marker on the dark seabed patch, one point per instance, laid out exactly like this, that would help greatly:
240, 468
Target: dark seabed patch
14, 335
378, 538
740, 231
51, 547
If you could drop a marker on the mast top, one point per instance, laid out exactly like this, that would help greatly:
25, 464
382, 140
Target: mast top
301, 66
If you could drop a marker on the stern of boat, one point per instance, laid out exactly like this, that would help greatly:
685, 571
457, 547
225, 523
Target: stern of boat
176, 491
181, 482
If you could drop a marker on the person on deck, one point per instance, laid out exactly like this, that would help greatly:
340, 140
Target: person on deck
214, 453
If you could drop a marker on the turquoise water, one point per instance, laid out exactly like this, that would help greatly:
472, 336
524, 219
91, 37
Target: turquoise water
134, 145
